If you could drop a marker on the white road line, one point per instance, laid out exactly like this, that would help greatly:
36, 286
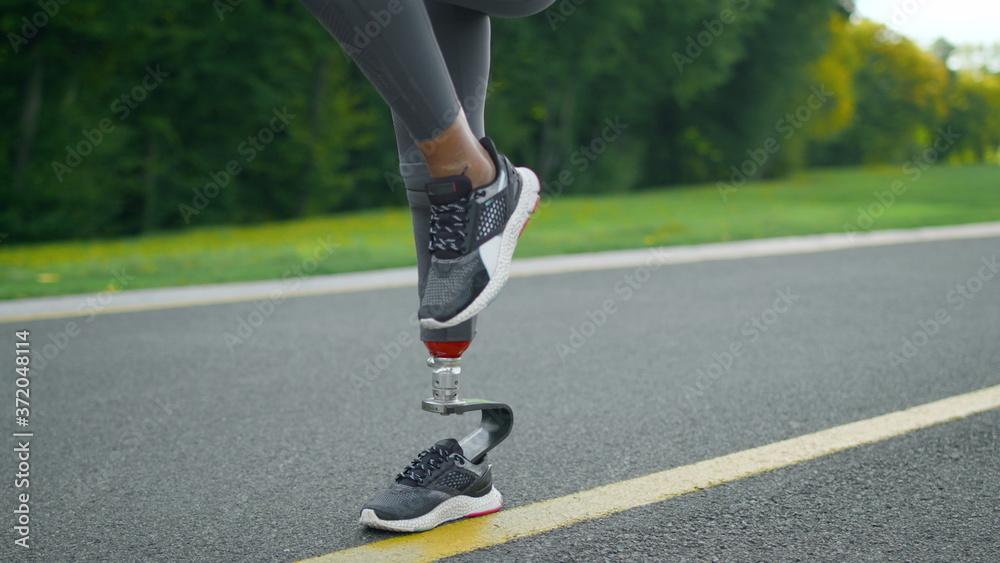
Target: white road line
147, 299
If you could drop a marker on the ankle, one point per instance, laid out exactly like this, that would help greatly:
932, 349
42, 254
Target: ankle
482, 172
456, 151
471, 163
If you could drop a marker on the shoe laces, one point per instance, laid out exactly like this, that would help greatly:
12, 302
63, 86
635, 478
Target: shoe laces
448, 221
426, 463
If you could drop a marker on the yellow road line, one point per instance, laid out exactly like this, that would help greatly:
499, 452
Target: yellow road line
504, 526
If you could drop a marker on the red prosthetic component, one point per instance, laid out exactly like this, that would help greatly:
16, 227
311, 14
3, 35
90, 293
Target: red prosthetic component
448, 349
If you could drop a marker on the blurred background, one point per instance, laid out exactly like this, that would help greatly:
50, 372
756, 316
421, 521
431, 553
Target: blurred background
119, 118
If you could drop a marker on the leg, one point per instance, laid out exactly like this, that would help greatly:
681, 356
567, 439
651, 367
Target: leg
503, 8
472, 235
474, 228
464, 38
393, 44
434, 139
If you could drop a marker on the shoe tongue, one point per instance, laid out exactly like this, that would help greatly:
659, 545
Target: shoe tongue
442, 191
449, 445
449, 189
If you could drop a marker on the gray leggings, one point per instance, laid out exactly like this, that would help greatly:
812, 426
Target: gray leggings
427, 59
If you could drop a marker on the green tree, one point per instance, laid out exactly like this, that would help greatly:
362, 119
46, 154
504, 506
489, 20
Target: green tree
175, 106
900, 93
974, 114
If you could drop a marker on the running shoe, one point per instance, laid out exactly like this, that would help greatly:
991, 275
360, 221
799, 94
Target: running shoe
439, 486
473, 236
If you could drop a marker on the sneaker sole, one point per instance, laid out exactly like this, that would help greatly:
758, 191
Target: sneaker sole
454, 508
526, 205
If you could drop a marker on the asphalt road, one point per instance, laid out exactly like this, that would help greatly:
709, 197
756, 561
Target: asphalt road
159, 438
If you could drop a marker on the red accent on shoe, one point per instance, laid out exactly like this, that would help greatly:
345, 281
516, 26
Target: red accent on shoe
448, 349
497, 509
533, 209
524, 226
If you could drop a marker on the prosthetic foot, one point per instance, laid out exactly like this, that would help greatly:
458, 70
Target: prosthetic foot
497, 418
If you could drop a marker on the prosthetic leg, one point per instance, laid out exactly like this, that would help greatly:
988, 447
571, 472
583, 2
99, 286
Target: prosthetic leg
497, 418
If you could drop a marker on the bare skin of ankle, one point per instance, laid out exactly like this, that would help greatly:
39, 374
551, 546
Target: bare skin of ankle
457, 151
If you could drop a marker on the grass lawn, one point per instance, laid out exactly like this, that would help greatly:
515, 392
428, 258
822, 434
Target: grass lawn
817, 201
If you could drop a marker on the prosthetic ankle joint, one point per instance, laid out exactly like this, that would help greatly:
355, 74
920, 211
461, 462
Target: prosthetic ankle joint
497, 418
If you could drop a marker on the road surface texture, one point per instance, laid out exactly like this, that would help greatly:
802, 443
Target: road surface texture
254, 431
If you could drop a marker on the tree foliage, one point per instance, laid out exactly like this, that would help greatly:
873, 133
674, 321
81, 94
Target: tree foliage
136, 117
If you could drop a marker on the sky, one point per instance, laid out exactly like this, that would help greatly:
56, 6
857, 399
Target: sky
958, 21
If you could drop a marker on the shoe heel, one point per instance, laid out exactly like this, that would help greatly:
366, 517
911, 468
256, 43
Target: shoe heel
485, 512
534, 208
525, 226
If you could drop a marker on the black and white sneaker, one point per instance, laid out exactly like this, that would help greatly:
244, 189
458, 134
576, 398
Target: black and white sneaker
439, 486
473, 236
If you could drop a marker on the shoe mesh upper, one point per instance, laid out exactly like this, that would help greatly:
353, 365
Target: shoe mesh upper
402, 502
457, 275
452, 288
492, 218
452, 476
455, 480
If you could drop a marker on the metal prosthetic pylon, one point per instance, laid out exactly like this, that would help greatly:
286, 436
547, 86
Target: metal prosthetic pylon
497, 418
